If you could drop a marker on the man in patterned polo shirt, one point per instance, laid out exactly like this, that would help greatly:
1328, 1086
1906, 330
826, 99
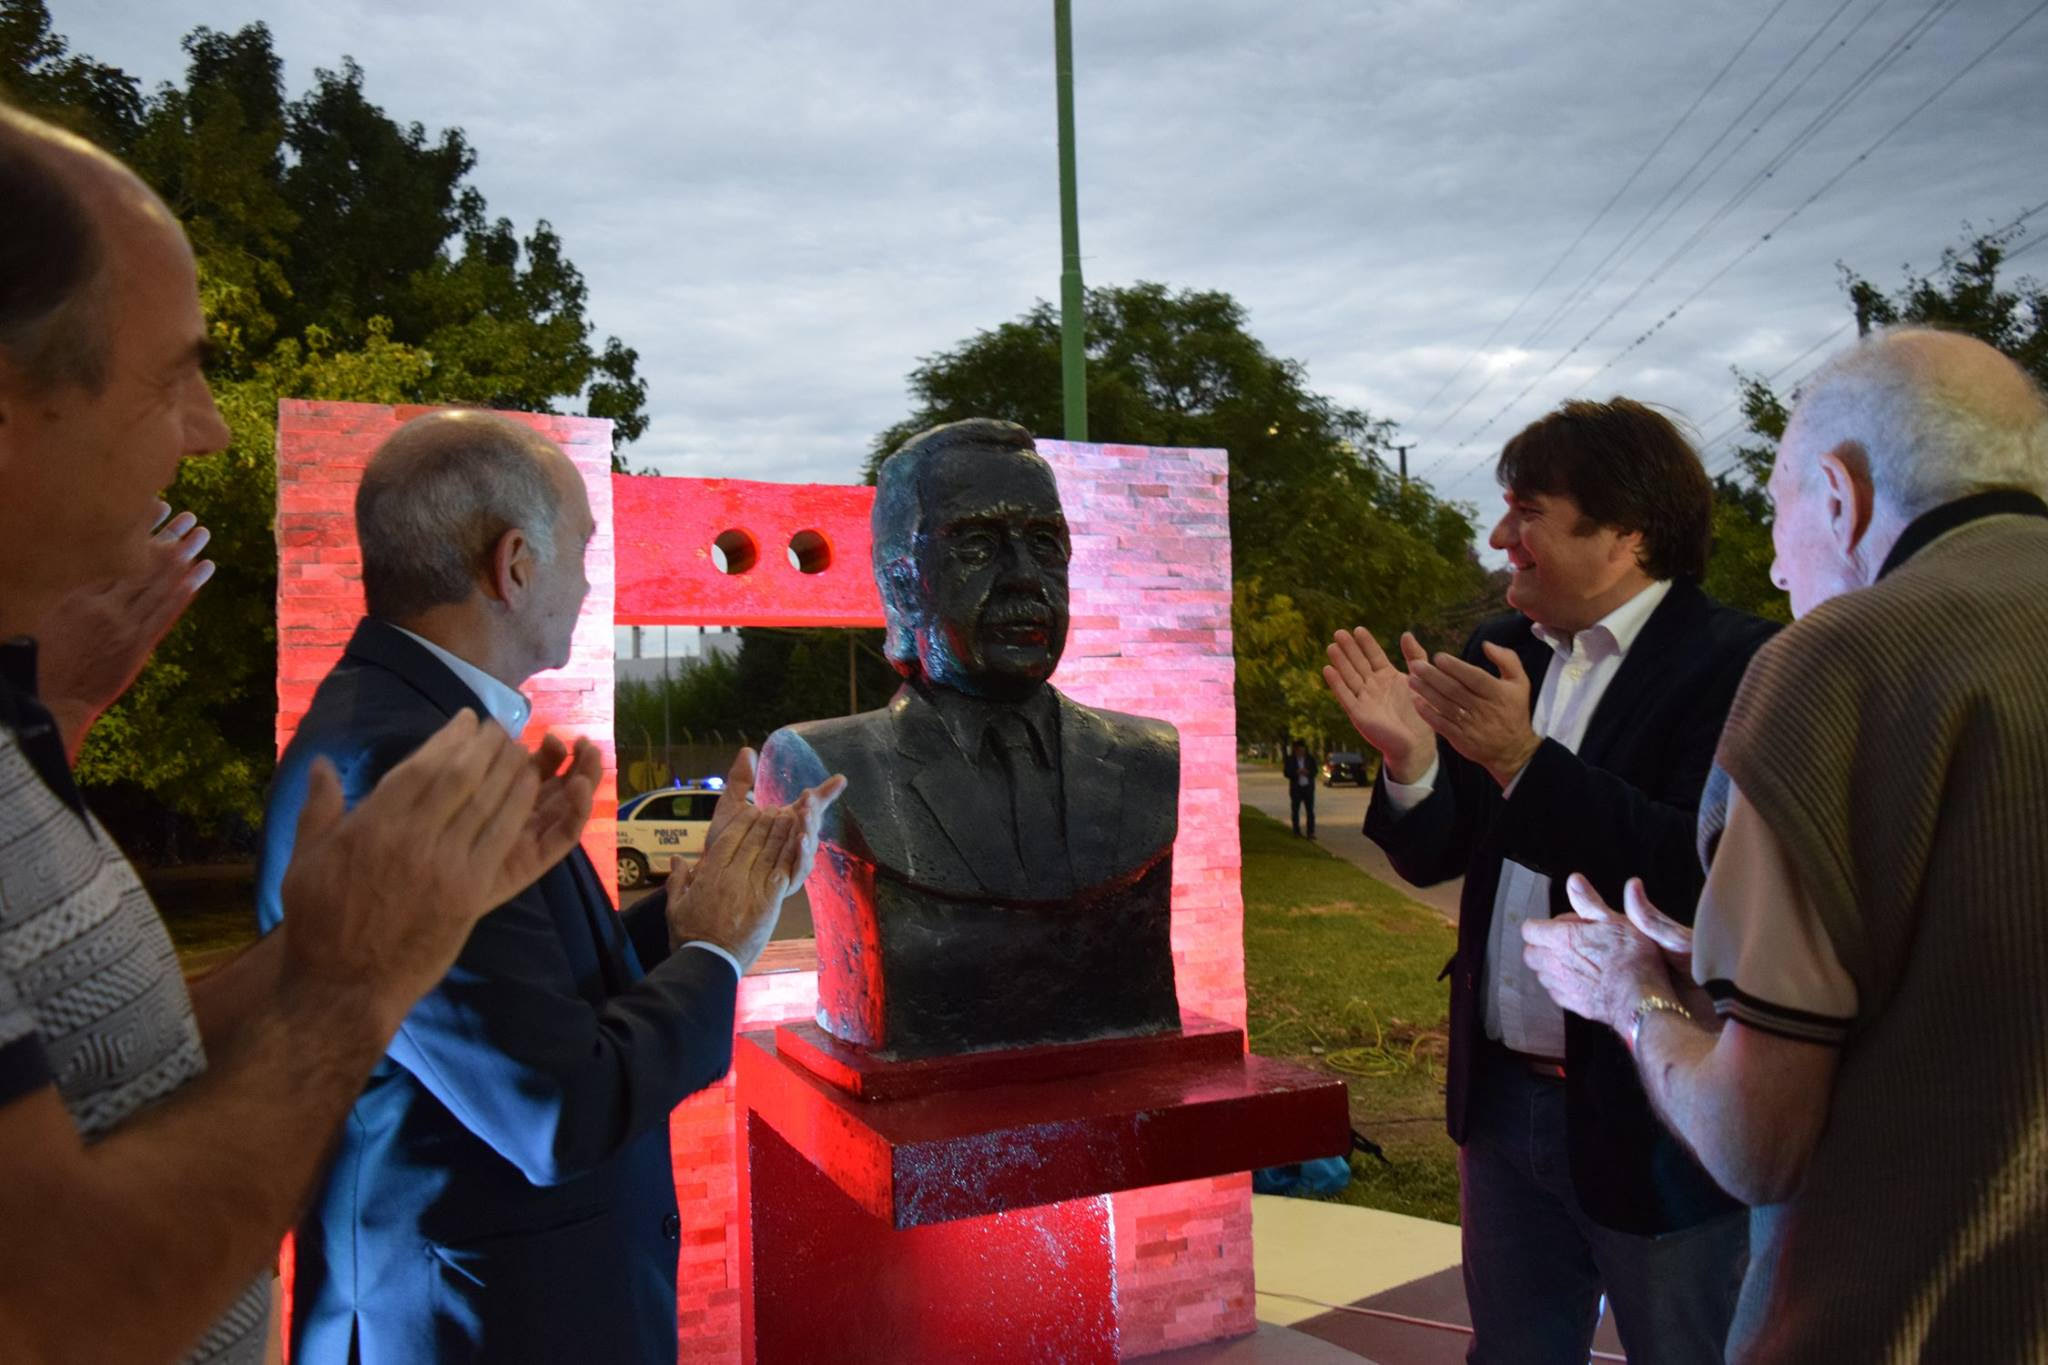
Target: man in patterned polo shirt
155, 1144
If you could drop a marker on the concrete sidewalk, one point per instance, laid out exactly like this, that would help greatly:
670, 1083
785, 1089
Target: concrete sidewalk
1340, 819
1339, 1284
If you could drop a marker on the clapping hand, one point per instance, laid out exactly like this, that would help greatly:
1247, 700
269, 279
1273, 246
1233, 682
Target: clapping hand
94, 643
379, 899
1599, 964
1376, 697
754, 858
561, 809
1483, 717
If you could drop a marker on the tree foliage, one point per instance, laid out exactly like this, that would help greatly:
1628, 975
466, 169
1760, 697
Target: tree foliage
779, 677
342, 255
1964, 294
1323, 534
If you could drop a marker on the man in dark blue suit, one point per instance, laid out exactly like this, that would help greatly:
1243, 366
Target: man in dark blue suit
503, 1189
1574, 735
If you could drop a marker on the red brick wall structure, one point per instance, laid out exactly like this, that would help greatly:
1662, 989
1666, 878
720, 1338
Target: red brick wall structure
1151, 635
321, 451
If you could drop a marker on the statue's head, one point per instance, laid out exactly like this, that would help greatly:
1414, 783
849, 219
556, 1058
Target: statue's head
971, 553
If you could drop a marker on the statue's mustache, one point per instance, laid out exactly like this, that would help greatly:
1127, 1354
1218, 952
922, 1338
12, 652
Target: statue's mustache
1018, 611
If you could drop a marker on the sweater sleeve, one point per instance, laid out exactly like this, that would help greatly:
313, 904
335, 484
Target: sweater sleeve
1759, 947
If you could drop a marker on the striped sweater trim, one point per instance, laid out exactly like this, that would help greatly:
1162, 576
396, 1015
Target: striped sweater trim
1731, 1002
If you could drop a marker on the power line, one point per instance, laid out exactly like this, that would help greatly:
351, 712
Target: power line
1590, 284
1829, 184
1829, 112
1585, 231
1897, 49
1735, 429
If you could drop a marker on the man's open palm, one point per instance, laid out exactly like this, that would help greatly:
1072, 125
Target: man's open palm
1375, 695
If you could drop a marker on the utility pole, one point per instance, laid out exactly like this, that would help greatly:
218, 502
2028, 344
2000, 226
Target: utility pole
1073, 340
1402, 451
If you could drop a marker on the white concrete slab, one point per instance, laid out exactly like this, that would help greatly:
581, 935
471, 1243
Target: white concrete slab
1338, 1254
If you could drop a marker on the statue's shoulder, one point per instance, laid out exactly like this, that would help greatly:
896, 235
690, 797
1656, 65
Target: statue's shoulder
1144, 741
1130, 729
805, 754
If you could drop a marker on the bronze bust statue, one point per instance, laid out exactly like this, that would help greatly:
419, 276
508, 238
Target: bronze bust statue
998, 871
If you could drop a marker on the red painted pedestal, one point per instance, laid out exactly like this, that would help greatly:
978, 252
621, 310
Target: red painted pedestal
964, 1220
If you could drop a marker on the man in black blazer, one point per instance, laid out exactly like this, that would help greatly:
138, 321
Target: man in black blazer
502, 1190
1567, 737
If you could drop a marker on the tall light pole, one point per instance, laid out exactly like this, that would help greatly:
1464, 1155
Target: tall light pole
1073, 341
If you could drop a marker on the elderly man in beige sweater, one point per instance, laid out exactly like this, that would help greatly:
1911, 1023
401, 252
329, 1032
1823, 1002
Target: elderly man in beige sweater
1852, 1037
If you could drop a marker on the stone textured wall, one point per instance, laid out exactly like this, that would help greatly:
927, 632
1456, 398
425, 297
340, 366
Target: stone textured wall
1151, 635
321, 451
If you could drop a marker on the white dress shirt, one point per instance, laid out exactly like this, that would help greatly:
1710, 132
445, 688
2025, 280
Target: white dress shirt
506, 705
1518, 1011
509, 707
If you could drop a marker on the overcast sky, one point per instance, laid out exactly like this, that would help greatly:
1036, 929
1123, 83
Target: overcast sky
784, 205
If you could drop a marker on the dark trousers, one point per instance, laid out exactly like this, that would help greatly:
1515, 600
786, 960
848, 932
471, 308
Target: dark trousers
1298, 800
1535, 1265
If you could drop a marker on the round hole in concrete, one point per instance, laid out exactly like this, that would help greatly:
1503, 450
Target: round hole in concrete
810, 552
733, 552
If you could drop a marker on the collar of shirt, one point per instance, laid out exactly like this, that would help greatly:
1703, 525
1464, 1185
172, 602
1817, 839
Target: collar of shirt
505, 704
969, 719
34, 728
1941, 522
1612, 633
18, 665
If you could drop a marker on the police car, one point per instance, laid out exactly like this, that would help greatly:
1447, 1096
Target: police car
669, 822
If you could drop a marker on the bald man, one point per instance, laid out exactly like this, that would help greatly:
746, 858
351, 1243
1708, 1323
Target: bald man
1860, 1049
155, 1139
503, 1190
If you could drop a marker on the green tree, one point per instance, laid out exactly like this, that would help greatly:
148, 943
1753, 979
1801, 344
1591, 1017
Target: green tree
1964, 294
342, 255
1323, 534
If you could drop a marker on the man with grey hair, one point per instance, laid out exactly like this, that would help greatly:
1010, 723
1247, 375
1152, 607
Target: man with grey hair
1852, 1038
156, 1140
518, 1129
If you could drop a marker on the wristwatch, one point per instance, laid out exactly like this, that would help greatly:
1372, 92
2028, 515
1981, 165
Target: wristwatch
1648, 1005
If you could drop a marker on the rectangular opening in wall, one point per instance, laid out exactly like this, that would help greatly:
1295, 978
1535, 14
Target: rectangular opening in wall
687, 699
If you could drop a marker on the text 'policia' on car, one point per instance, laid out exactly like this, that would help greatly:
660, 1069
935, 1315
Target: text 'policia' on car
669, 822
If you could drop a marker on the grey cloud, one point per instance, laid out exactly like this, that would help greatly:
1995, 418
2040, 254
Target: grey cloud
784, 205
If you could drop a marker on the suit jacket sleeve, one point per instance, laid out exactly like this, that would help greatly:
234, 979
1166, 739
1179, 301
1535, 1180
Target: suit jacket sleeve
646, 922
552, 1081
1432, 842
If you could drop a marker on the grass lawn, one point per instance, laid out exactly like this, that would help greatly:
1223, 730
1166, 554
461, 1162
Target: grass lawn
1340, 971
210, 910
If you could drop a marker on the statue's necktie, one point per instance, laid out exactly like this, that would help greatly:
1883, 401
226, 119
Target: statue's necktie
1037, 818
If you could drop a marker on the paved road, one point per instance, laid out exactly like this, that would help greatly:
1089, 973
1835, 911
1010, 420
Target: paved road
1340, 817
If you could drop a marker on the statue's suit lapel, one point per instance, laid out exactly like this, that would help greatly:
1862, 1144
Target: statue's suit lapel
1092, 782
970, 807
